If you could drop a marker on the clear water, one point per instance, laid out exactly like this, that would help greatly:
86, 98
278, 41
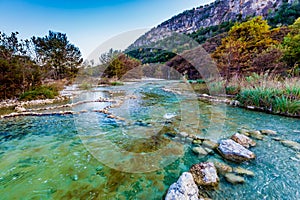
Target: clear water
90, 156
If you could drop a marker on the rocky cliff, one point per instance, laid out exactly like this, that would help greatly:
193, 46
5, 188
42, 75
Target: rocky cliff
209, 15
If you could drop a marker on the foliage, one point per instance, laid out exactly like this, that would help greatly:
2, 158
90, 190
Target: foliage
58, 54
41, 92
116, 83
205, 33
246, 42
291, 48
285, 15
85, 86
118, 65
18, 72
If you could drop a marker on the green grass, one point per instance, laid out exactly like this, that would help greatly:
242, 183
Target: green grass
116, 83
41, 92
286, 101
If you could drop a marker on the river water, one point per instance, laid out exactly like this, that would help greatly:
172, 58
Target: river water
93, 156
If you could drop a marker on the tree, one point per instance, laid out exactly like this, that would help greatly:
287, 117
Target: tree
58, 54
116, 64
18, 72
245, 41
291, 47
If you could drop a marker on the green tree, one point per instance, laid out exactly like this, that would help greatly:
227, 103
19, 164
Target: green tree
245, 41
18, 72
291, 48
58, 54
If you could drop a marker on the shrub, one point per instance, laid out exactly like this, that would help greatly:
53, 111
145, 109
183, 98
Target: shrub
41, 92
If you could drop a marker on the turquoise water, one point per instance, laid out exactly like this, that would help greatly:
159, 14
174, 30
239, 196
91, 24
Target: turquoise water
91, 156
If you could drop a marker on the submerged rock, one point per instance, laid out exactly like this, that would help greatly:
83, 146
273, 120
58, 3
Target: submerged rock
242, 171
256, 135
244, 132
210, 144
234, 179
276, 139
268, 132
200, 151
184, 189
233, 151
223, 168
291, 144
243, 140
197, 141
183, 134
205, 174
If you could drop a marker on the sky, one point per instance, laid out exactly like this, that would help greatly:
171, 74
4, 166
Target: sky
88, 23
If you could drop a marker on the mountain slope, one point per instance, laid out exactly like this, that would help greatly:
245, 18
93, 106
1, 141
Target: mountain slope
210, 15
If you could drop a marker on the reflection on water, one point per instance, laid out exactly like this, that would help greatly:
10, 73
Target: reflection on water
59, 157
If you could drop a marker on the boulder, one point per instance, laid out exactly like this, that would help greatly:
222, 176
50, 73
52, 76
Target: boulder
243, 140
268, 132
233, 151
291, 144
200, 151
205, 174
242, 171
223, 168
184, 189
210, 144
234, 179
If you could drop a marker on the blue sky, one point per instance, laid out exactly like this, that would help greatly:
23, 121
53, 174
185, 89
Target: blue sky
87, 23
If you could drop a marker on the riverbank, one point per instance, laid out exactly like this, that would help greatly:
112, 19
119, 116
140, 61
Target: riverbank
264, 93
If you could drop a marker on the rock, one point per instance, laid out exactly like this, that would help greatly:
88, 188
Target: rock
222, 168
244, 132
208, 150
233, 151
75, 178
242, 171
184, 189
210, 144
20, 109
268, 132
200, 151
205, 174
183, 134
256, 135
276, 139
234, 179
243, 140
291, 144
197, 141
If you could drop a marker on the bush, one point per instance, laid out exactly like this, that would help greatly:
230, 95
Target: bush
116, 83
85, 86
41, 92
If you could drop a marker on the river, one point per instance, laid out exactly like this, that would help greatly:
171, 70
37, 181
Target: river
128, 155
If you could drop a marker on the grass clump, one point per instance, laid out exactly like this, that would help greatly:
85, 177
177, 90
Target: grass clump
85, 86
41, 92
271, 93
116, 83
